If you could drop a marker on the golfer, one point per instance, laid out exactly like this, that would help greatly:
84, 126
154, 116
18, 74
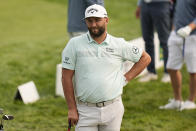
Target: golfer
95, 59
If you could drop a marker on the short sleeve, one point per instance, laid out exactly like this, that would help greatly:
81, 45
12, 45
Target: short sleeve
69, 56
131, 52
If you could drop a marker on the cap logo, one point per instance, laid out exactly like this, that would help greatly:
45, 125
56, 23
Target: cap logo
92, 10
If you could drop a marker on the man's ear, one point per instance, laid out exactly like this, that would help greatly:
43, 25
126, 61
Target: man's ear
107, 20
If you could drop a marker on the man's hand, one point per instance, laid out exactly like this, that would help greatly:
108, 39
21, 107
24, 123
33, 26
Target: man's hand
138, 67
184, 31
125, 81
73, 117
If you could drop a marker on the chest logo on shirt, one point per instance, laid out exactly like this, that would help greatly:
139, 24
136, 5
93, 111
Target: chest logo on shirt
109, 50
135, 50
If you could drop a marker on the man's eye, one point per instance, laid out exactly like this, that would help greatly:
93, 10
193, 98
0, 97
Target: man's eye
97, 20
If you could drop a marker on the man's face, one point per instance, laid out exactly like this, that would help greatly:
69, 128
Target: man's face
96, 26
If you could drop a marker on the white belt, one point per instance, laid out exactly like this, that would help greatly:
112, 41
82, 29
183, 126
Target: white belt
99, 104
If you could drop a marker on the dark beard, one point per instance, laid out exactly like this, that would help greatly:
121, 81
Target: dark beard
101, 30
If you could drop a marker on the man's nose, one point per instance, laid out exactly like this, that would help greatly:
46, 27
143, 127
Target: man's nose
93, 23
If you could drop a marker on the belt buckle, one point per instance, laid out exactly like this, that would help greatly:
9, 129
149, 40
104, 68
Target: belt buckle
100, 104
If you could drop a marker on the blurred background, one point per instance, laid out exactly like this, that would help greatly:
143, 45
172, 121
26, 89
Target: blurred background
33, 34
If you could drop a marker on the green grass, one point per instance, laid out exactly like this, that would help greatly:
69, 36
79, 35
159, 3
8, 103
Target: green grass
32, 35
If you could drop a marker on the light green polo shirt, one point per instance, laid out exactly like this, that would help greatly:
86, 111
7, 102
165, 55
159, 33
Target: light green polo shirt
98, 67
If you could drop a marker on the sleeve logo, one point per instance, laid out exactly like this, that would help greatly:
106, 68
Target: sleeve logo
135, 50
66, 59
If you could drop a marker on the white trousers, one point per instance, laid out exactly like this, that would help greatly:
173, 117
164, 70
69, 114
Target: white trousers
107, 118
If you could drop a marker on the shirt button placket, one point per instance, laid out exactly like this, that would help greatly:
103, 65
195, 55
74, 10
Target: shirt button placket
99, 52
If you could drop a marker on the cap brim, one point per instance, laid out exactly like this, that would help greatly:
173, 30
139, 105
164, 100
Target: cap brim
96, 16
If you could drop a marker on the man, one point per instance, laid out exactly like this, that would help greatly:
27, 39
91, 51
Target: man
154, 14
76, 8
182, 47
96, 59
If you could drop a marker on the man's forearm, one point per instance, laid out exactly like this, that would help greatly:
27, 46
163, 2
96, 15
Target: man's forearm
69, 95
138, 67
67, 76
68, 91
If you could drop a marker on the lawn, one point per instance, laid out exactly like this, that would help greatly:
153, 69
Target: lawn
32, 35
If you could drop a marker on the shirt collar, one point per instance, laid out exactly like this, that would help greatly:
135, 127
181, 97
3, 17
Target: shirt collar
91, 40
